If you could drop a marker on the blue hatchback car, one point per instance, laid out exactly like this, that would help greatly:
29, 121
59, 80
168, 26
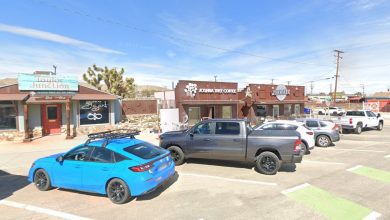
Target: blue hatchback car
112, 163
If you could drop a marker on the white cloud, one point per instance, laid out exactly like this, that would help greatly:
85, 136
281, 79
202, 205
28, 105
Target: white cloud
43, 35
205, 38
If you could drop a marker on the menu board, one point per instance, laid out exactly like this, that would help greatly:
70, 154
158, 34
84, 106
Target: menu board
94, 112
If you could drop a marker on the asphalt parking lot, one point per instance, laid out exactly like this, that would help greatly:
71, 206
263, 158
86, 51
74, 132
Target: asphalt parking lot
350, 180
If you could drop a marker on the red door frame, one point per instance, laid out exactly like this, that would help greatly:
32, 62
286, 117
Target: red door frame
51, 126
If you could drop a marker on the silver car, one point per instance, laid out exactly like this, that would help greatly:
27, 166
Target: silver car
325, 132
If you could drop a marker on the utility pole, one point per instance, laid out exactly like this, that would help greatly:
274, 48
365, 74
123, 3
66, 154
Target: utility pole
215, 78
55, 69
272, 81
288, 83
362, 85
337, 73
330, 89
311, 87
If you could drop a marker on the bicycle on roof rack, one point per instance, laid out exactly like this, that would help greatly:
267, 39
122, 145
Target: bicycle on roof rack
110, 135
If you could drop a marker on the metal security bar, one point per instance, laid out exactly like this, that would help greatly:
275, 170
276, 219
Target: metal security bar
110, 135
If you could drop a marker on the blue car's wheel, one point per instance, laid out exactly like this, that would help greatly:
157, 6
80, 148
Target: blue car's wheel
117, 191
42, 180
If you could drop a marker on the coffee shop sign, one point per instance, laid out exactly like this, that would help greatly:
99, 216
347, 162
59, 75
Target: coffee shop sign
281, 92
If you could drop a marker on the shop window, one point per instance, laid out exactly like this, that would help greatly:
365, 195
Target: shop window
7, 115
287, 109
193, 115
94, 112
261, 111
275, 111
297, 109
227, 111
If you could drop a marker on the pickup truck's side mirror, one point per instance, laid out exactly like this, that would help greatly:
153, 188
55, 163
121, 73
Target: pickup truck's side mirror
378, 115
191, 134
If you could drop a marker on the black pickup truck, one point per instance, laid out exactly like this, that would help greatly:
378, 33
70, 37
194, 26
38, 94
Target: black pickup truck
235, 140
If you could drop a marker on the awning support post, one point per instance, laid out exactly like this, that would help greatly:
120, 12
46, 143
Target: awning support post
26, 128
67, 108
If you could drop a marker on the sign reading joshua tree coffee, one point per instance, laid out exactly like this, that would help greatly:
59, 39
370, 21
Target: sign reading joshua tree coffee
192, 88
36, 82
281, 92
94, 112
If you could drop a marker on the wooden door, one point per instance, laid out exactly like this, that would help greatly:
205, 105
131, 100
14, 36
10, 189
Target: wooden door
51, 118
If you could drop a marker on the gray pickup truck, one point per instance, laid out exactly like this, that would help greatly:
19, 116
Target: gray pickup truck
235, 140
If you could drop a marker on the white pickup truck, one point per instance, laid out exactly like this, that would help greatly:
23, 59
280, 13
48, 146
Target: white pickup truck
359, 119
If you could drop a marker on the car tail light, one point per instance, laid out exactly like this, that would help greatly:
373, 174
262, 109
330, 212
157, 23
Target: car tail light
350, 121
309, 132
141, 168
297, 145
335, 127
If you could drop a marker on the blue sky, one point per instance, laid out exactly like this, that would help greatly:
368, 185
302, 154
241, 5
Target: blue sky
158, 42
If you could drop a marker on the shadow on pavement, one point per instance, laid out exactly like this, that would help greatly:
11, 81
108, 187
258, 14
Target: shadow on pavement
169, 182
288, 167
10, 183
222, 163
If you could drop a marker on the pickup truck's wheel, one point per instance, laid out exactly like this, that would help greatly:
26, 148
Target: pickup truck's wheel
380, 126
323, 141
177, 154
267, 163
359, 129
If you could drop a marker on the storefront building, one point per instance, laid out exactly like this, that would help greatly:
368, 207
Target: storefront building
198, 100
263, 101
35, 105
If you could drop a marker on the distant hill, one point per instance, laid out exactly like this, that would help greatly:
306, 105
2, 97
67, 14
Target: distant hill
140, 88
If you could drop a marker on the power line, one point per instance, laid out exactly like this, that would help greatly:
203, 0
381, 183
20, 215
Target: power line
135, 28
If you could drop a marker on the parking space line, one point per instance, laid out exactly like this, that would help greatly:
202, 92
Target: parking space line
372, 173
329, 205
229, 179
322, 162
51, 212
357, 150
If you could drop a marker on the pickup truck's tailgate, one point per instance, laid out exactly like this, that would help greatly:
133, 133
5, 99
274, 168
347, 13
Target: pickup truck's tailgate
280, 140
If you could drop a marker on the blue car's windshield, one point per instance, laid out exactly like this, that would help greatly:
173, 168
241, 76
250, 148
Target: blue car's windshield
145, 150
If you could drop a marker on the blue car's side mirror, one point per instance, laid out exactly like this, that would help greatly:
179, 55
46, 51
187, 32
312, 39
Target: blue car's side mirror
60, 159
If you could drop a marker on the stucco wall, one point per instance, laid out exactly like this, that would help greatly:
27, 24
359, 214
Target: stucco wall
34, 116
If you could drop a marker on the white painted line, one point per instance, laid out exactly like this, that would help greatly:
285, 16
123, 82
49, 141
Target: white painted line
387, 156
354, 168
350, 149
372, 216
51, 212
322, 162
295, 188
229, 179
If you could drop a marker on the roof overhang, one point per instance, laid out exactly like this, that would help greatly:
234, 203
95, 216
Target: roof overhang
13, 97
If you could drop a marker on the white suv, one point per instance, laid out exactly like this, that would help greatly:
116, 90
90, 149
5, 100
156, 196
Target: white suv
307, 135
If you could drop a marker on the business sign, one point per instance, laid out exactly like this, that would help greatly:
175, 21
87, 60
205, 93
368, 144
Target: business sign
94, 112
281, 92
36, 82
191, 89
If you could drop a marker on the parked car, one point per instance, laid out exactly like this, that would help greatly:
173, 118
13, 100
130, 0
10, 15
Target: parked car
335, 111
325, 132
110, 163
329, 110
358, 119
307, 135
235, 140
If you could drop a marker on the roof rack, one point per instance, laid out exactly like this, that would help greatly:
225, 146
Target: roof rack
110, 135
